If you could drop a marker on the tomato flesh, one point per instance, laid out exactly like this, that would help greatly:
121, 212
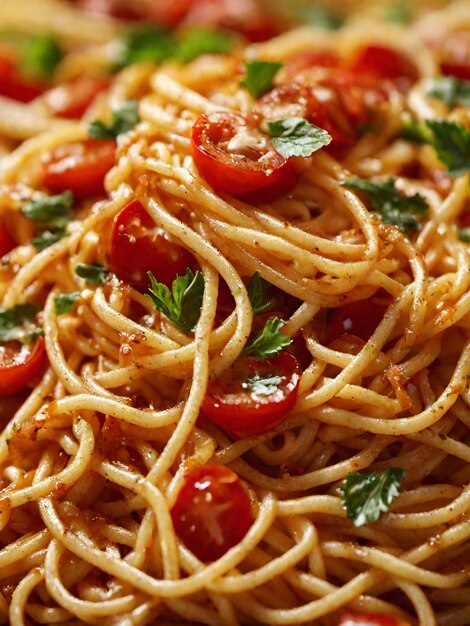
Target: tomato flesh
72, 99
384, 63
15, 86
212, 512
455, 55
19, 365
80, 166
249, 170
310, 60
137, 246
370, 619
359, 319
7, 243
234, 403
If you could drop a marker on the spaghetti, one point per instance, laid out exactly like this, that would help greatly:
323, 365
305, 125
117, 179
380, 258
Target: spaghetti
174, 457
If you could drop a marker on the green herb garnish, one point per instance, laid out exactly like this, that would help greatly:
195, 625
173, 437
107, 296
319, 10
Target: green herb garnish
14, 320
391, 204
182, 305
366, 496
50, 211
464, 234
318, 16
40, 56
269, 342
123, 119
295, 136
260, 386
145, 43
398, 13
64, 302
259, 76
202, 40
48, 238
94, 274
450, 90
257, 289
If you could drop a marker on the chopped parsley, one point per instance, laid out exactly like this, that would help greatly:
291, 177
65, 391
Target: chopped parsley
145, 43
13, 322
366, 496
48, 238
64, 302
392, 205
50, 211
94, 274
450, 90
398, 13
464, 234
260, 386
123, 119
269, 342
259, 76
39, 57
318, 16
294, 136
202, 40
257, 289
182, 305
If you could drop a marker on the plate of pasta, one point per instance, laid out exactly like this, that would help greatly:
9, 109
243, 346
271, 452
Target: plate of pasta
234, 313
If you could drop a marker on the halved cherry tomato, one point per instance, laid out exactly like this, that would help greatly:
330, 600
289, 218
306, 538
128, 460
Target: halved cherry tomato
137, 245
237, 159
384, 63
212, 512
12, 84
7, 243
359, 319
80, 166
253, 396
19, 365
72, 99
310, 60
370, 619
455, 55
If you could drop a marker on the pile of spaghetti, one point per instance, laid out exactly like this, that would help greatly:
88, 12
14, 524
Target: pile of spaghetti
234, 337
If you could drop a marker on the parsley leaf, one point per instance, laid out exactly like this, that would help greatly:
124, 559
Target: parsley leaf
63, 303
40, 57
318, 16
202, 40
391, 204
182, 305
450, 90
145, 43
260, 386
295, 136
94, 274
398, 13
257, 288
259, 76
451, 142
412, 131
366, 496
31, 337
47, 238
464, 234
50, 211
13, 321
123, 119
269, 342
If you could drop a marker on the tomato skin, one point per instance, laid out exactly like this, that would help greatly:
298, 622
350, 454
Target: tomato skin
212, 512
370, 619
384, 63
359, 319
7, 243
80, 166
15, 373
464, 219
238, 410
72, 99
235, 174
137, 246
310, 60
15, 86
455, 55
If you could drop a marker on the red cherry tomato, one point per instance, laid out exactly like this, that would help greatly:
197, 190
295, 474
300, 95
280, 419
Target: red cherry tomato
12, 84
19, 365
233, 403
455, 55
369, 619
236, 163
72, 99
464, 219
310, 60
359, 319
137, 245
80, 166
7, 243
212, 512
384, 63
